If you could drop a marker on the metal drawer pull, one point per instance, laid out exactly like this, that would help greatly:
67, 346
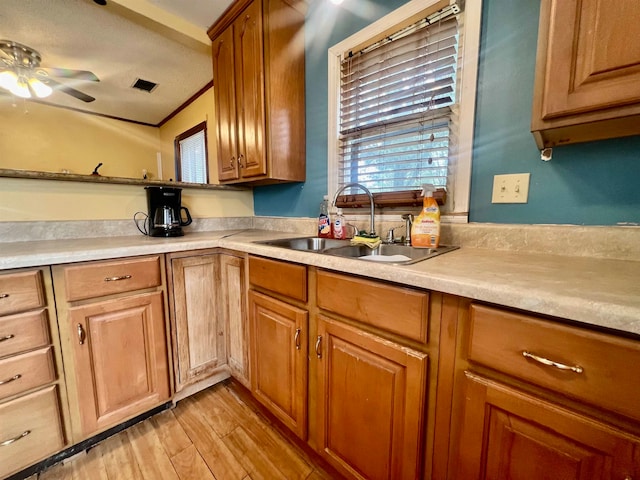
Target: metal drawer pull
81, 334
9, 380
7, 337
15, 439
4, 295
116, 279
551, 363
318, 345
297, 339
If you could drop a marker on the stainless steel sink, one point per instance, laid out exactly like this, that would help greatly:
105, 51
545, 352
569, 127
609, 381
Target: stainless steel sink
309, 244
393, 254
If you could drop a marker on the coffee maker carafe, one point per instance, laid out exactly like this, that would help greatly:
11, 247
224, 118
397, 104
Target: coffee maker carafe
165, 212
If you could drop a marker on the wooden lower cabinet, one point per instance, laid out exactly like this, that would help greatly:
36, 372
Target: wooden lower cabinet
199, 346
279, 359
371, 403
508, 434
234, 315
33, 401
120, 359
31, 428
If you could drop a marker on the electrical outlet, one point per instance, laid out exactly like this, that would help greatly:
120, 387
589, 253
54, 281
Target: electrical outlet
512, 188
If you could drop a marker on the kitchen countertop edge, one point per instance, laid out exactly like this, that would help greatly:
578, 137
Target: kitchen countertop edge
597, 292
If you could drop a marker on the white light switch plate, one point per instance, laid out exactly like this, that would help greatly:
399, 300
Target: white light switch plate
512, 188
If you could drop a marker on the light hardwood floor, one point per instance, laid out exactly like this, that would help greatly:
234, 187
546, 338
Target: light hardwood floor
212, 435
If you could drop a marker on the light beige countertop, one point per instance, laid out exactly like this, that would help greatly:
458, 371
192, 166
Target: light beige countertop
595, 291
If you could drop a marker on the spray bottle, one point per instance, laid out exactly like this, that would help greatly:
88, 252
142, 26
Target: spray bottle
425, 232
324, 221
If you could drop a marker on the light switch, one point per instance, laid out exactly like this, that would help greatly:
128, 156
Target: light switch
511, 188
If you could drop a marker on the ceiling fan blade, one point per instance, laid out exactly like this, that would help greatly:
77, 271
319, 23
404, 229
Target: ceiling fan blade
65, 89
75, 74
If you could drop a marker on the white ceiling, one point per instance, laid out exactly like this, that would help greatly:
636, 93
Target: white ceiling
163, 41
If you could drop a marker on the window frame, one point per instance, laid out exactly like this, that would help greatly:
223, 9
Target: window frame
457, 202
201, 127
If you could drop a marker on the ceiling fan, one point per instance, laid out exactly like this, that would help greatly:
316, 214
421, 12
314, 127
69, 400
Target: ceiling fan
21, 74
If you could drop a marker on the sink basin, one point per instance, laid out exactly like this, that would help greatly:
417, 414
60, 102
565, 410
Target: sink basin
309, 244
393, 254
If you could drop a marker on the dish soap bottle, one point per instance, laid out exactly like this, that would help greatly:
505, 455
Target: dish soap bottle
339, 227
425, 232
324, 222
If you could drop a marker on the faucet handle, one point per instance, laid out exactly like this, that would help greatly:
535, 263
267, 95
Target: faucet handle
390, 237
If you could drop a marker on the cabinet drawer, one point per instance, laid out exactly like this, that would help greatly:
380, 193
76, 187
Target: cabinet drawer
287, 279
20, 292
26, 371
396, 309
22, 332
89, 280
601, 368
34, 422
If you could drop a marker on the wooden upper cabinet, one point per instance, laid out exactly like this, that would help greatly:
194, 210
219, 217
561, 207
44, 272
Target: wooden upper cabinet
225, 94
258, 69
587, 84
247, 35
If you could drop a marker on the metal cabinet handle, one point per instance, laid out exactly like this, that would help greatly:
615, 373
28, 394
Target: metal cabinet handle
297, 338
15, 439
240, 158
117, 279
551, 363
7, 337
319, 346
9, 380
232, 162
81, 335
4, 295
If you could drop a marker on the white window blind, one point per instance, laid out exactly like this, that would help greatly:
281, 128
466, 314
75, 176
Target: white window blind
396, 125
193, 158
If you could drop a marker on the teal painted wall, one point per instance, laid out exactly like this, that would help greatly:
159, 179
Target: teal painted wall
596, 183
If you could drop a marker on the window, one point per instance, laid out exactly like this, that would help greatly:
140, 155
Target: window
191, 155
401, 104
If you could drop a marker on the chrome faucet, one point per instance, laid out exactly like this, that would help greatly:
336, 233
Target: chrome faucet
366, 190
408, 218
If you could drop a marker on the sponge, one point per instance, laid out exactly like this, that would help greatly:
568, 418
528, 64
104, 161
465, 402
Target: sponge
371, 241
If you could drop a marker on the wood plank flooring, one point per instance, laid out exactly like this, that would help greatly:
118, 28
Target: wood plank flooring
212, 435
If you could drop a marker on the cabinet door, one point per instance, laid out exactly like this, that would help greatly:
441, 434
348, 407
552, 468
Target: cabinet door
592, 63
225, 103
509, 434
199, 336
30, 429
587, 83
120, 359
232, 302
249, 62
371, 403
279, 359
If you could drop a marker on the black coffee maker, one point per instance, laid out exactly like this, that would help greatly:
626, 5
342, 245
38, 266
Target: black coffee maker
165, 212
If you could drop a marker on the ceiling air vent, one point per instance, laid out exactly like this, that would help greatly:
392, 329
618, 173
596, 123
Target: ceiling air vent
144, 85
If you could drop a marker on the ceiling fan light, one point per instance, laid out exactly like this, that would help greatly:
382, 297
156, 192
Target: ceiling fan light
8, 80
21, 89
41, 89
